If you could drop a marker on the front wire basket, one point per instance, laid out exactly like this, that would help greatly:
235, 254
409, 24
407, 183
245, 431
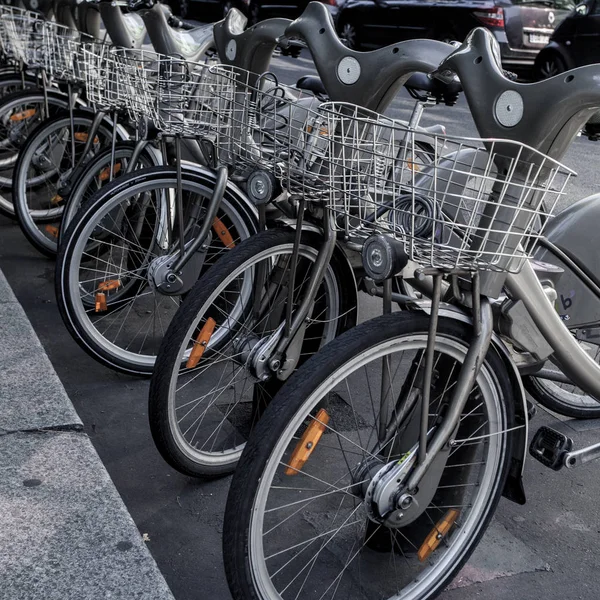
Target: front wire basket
63, 52
24, 36
455, 203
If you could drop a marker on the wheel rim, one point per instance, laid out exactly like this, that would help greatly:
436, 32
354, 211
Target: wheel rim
115, 340
233, 425
266, 504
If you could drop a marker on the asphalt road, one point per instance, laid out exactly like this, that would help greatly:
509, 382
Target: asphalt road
546, 549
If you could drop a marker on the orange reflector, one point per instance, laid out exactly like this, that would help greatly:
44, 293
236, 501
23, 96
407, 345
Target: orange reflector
413, 166
223, 233
323, 130
105, 173
52, 230
100, 302
201, 343
308, 442
24, 114
432, 541
81, 136
56, 199
110, 285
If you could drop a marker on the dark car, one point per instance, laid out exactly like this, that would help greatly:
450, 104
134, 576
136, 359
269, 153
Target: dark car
522, 27
255, 10
574, 43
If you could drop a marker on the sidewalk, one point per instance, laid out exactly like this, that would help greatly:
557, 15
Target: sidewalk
64, 530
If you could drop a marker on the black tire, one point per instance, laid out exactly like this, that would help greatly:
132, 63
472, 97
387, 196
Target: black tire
32, 99
168, 361
258, 458
68, 297
554, 398
28, 221
549, 64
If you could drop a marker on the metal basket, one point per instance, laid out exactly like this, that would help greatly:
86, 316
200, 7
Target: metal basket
462, 204
106, 83
257, 122
63, 52
25, 36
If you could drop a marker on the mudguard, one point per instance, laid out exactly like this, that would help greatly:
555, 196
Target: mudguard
513, 489
573, 231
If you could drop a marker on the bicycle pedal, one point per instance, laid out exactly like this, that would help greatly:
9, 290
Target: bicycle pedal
549, 447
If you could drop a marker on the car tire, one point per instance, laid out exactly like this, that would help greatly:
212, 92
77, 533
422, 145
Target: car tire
253, 13
447, 36
349, 35
226, 6
549, 64
181, 8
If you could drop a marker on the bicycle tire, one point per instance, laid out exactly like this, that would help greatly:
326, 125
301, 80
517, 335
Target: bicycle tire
69, 301
296, 401
177, 452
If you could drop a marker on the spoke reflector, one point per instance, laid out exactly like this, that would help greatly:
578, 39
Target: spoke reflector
81, 136
108, 286
105, 173
52, 230
56, 199
307, 443
432, 541
223, 233
201, 343
24, 114
100, 302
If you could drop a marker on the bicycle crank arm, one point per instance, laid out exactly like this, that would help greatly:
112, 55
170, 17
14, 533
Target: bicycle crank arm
580, 457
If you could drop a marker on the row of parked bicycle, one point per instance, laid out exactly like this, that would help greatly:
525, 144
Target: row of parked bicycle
214, 227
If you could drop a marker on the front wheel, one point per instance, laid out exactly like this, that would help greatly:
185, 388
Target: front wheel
102, 284
204, 403
303, 516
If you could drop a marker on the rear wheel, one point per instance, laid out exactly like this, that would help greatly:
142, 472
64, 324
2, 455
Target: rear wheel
202, 411
304, 515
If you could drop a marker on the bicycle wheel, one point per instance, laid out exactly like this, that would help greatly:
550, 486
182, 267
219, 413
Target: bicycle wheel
14, 82
44, 164
102, 285
20, 114
202, 409
318, 518
564, 398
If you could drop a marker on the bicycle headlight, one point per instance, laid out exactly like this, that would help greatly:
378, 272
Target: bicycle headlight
383, 257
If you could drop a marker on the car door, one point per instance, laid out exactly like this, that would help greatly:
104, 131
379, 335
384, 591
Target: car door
377, 25
586, 43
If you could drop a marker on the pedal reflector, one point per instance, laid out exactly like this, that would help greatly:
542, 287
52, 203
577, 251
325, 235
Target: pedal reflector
307, 443
437, 534
549, 447
223, 233
56, 200
201, 343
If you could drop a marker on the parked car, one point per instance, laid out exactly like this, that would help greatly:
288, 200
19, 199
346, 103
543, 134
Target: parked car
522, 27
255, 10
574, 43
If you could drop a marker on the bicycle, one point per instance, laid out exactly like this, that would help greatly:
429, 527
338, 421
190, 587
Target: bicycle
377, 468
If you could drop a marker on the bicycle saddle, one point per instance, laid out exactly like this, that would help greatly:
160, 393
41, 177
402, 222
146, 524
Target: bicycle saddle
251, 49
126, 30
190, 44
546, 115
368, 79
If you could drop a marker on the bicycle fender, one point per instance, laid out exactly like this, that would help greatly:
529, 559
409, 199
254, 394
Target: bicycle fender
513, 488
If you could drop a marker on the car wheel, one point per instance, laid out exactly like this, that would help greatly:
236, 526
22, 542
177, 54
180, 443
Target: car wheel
447, 37
349, 36
548, 65
181, 8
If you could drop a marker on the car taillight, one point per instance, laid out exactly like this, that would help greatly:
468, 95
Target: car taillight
329, 2
491, 17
